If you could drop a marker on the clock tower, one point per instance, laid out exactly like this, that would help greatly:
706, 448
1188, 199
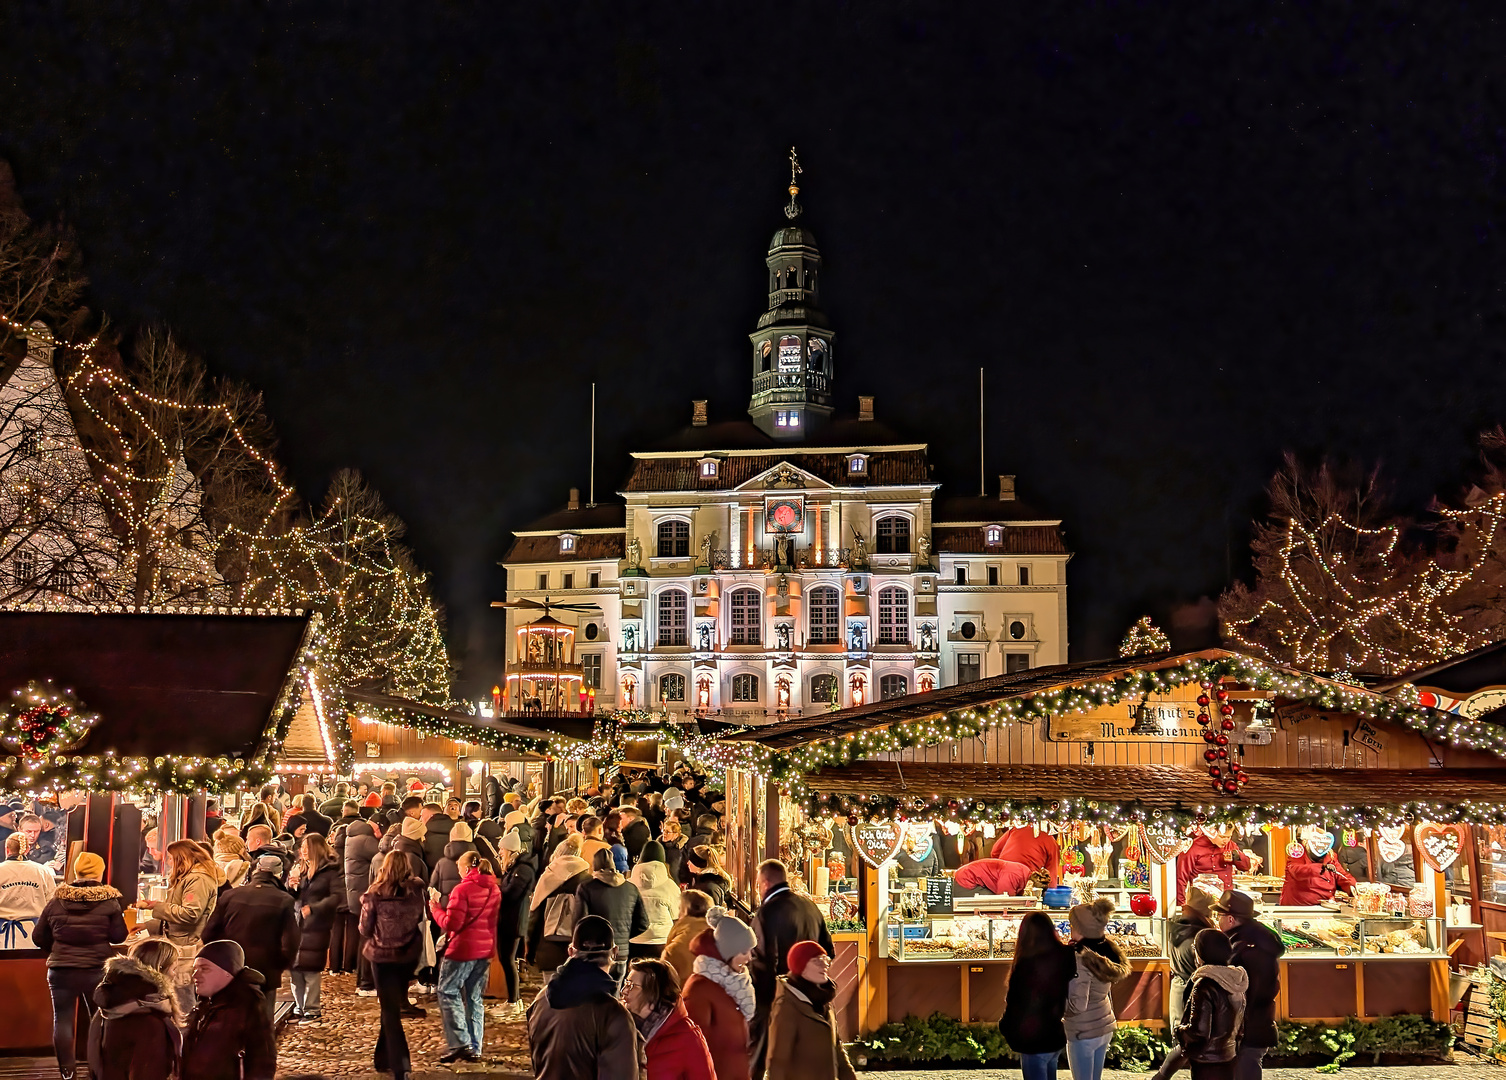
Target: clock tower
792, 346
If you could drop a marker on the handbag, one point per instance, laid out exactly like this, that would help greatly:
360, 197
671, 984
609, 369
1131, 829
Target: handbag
560, 916
428, 958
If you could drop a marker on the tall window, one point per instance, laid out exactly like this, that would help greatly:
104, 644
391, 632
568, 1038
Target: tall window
674, 539
993, 575
961, 575
893, 686
590, 671
672, 688
30, 445
672, 622
745, 688
892, 535
824, 690
968, 667
894, 616
24, 567
747, 622
825, 616
1024, 575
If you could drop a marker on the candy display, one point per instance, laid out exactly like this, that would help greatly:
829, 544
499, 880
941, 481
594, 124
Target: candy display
1370, 898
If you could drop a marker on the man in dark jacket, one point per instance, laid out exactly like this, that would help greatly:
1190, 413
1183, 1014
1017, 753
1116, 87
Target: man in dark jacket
635, 832
437, 826
309, 817
576, 1026
360, 845
334, 807
259, 843
1258, 950
228, 1035
782, 919
259, 917
617, 900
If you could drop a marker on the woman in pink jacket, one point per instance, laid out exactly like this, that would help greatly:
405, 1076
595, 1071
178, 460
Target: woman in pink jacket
469, 921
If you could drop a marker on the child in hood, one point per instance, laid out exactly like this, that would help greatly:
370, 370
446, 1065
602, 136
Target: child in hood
1210, 1027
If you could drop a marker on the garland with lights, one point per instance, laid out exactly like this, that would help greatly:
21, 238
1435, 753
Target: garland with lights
456, 730
789, 767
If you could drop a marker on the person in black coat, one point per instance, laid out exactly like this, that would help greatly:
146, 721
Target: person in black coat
310, 818
320, 886
75, 930
1210, 1027
446, 873
228, 1035
635, 832
134, 1034
258, 916
1036, 999
344, 941
491, 796
512, 915
782, 919
616, 900
437, 825
360, 847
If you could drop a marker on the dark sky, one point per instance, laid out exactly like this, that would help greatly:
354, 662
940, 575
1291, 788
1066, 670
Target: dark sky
1180, 241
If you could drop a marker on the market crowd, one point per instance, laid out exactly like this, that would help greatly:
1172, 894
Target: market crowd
617, 896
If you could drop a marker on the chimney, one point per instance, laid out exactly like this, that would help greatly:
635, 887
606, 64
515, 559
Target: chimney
1006, 487
865, 406
698, 413
574, 503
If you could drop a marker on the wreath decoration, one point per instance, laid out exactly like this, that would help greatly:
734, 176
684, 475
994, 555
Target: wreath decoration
42, 719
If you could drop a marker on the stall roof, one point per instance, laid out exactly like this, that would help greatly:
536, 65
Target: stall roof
461, 721
803, 731
1469, 673
1156, 787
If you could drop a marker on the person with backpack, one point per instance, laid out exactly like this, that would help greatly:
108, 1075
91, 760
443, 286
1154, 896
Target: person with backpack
554, 908
392, 913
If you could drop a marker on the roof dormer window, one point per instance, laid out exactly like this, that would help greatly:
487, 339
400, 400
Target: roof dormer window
857, 464
708, 468
993, 535
567, 543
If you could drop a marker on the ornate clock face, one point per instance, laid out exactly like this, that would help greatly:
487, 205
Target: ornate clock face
784, 515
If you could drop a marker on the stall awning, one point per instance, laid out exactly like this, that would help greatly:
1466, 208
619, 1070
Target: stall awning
1158, 786
457, 725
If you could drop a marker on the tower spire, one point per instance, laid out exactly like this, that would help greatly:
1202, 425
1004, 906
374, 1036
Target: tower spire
792, 211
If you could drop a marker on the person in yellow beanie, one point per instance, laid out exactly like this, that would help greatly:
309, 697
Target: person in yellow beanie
75, 931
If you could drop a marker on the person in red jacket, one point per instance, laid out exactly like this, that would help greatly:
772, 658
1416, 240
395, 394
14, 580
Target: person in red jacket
1312, 872
1212, 852
997, 876
674, 1046
719, 996
469, 921
1037, 850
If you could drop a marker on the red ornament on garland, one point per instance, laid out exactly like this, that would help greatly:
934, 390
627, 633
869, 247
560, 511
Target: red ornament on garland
43, 720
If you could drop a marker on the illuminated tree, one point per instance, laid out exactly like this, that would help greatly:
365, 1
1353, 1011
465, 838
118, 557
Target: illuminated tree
1144, 638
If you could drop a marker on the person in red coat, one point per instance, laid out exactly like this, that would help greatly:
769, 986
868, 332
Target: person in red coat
1312, 872
1213, 853
1035, 849
469, 921
674, 1047
997, 876
719, 996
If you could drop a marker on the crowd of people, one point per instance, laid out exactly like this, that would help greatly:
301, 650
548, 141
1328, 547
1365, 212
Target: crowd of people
617, 896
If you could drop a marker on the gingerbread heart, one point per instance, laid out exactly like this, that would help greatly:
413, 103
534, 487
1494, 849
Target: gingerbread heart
878, 842
1390, 844
1164, 842
1441, 844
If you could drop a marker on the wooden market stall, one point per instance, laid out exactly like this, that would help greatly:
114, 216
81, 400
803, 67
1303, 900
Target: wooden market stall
112, 709
1111, 761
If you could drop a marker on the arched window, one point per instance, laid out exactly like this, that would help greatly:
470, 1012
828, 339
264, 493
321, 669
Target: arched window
894, 616
892, 535
825, 615
824, 690
747, 617
672, 688
674, 539
672, 605
893, 686
745, 688
792, 278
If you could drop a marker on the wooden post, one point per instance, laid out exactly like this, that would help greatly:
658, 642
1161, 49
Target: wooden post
771, 821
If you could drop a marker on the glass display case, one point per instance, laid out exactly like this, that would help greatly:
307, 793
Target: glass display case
1323, 933
992, 937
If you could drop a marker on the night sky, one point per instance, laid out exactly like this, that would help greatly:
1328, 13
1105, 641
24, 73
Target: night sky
1180, 242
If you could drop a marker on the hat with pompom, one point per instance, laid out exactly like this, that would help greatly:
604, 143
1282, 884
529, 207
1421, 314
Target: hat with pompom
1091, 920
733, 936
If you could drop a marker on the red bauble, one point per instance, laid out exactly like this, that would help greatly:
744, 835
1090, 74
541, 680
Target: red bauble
1208, 736
1214, 771
1222, 740
1202, 718
1226, 724
1223, 695
1231, 785
1210, 754
1203, 700
1222, 754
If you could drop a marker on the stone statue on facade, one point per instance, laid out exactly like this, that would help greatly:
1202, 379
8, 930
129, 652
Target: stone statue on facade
634, 554
927, 637
782, 635
923, 547
855, 637
706, 551
629, 638
703, 637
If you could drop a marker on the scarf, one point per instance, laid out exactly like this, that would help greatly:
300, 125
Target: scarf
648, 1026
151, 1003
818, 995
737, 984
1234, 980
561, 870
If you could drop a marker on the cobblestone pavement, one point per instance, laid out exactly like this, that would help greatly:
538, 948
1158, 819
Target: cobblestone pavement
342, 1042
1465, 1069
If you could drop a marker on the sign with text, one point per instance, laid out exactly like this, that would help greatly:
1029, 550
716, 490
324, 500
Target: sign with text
1366, 735
939, 895
877, 842
1168, 717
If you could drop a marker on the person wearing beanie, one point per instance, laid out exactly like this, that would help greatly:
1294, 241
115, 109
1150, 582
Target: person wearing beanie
520, 870
1209, 1029
1089, 1020
228, 1035
661, 901
1196, 915
260, 917
719, 994
577, 1027
447, 873
407, 838
233, 857
75, 930
803, 1043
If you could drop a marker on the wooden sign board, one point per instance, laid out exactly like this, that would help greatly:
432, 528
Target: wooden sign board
878, 842
1366, 735
1175, 714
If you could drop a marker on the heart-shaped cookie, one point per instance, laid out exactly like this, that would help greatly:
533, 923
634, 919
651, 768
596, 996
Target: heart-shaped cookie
1441, 844
878, 842
1164, 842
1390, 844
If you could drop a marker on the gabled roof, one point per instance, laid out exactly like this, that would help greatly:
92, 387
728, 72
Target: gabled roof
886, 468
591, 546
1018, 540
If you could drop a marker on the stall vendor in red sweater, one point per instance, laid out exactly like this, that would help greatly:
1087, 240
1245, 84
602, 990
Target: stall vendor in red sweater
1033, 847
1214, 852
1312, 872
995, 876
